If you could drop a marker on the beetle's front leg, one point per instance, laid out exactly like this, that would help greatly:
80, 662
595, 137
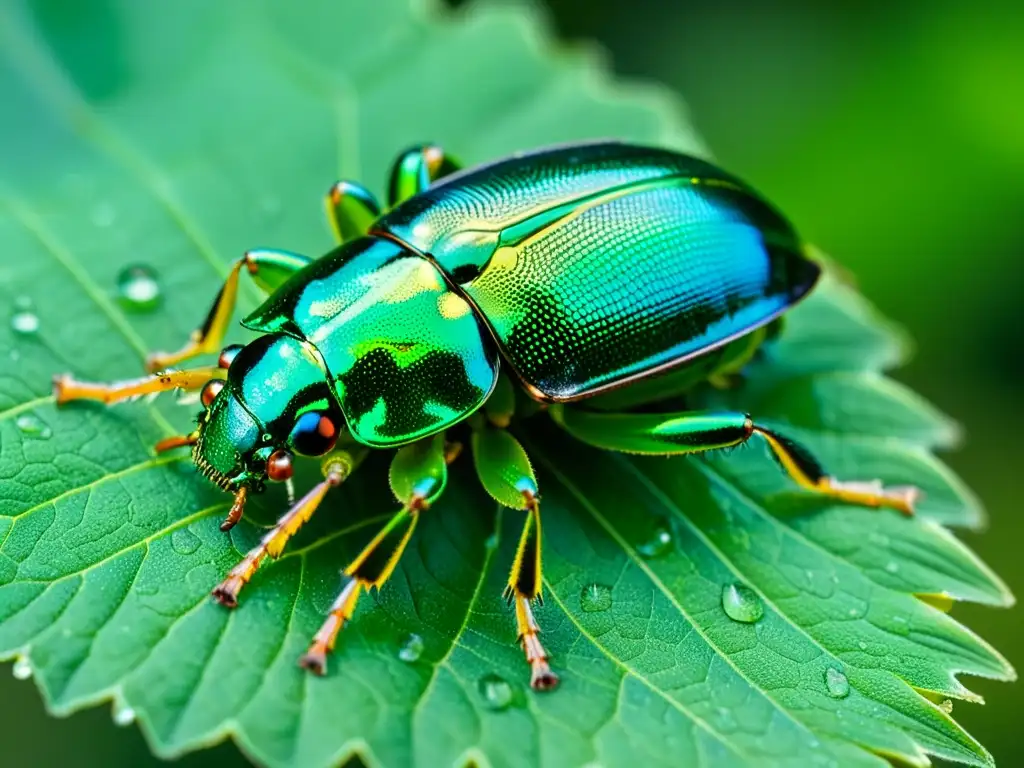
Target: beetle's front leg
505, 472
696, 431
416, 169
337, 467
269, 269
418, 475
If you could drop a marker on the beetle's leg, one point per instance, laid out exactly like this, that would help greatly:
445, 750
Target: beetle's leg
694, 432
415, 170
351, 209
66, 388
268, 268
337, 467
418, 476
505, 472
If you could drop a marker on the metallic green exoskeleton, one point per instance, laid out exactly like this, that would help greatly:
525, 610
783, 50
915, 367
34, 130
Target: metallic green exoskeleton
569, 272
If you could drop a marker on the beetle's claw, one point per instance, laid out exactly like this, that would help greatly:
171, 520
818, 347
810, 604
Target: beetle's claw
541, 676
315, 660
226, 593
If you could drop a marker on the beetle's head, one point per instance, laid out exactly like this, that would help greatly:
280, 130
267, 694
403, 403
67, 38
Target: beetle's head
275, 404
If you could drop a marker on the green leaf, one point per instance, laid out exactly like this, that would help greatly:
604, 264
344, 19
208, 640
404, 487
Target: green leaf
179, 134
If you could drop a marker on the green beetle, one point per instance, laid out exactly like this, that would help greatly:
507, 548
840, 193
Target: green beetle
570, 271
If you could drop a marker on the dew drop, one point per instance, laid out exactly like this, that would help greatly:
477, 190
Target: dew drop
862, 645
491, 543
24, 320
656, 546
32, 426
184, 542
741, 603
946, 706
496, 692
123, 715
836, 684
22, 669
411, 651
138, 288
892, 567
595, 598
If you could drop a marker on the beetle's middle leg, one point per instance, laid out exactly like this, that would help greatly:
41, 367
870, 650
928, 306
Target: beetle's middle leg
418, 475
268, 268
505, 472
695, 431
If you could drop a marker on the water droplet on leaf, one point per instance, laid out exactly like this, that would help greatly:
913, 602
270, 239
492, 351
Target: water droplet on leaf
32, 426
892, 567
123, 715
24, 320
836, 684
184, 542
862, 645
595, 598
496, 692
138, 288
412, 650
22, 669
656, 546
741, 603
491, 543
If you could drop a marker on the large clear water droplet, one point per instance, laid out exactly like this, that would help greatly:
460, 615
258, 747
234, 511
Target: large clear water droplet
22, 669
32, 426
496, 692
657, 545
741, 603
123, 715
138, 288
24, 320
836, 684
595, 598
411, 651
184, 542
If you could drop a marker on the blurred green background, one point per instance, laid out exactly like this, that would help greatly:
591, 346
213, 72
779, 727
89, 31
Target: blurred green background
893, 134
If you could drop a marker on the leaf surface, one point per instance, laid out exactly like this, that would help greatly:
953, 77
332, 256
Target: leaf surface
178, 135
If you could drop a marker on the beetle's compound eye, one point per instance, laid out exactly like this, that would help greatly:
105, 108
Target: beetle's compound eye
314, 434
210, 391
228, 355
279, 466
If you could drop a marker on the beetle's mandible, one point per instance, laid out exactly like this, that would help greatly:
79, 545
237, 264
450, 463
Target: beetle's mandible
555, 276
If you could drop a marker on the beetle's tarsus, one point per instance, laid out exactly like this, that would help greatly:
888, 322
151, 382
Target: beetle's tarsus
872, 493
542, 678
315, 659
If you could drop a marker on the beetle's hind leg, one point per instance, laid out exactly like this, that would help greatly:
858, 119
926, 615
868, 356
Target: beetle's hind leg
269, 269
694, 432
505, 472
418, 476
416, 169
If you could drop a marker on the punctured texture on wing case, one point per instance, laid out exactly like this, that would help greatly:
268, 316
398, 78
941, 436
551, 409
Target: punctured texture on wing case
595, 264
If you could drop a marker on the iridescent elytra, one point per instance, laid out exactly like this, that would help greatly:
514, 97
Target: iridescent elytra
563, 273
